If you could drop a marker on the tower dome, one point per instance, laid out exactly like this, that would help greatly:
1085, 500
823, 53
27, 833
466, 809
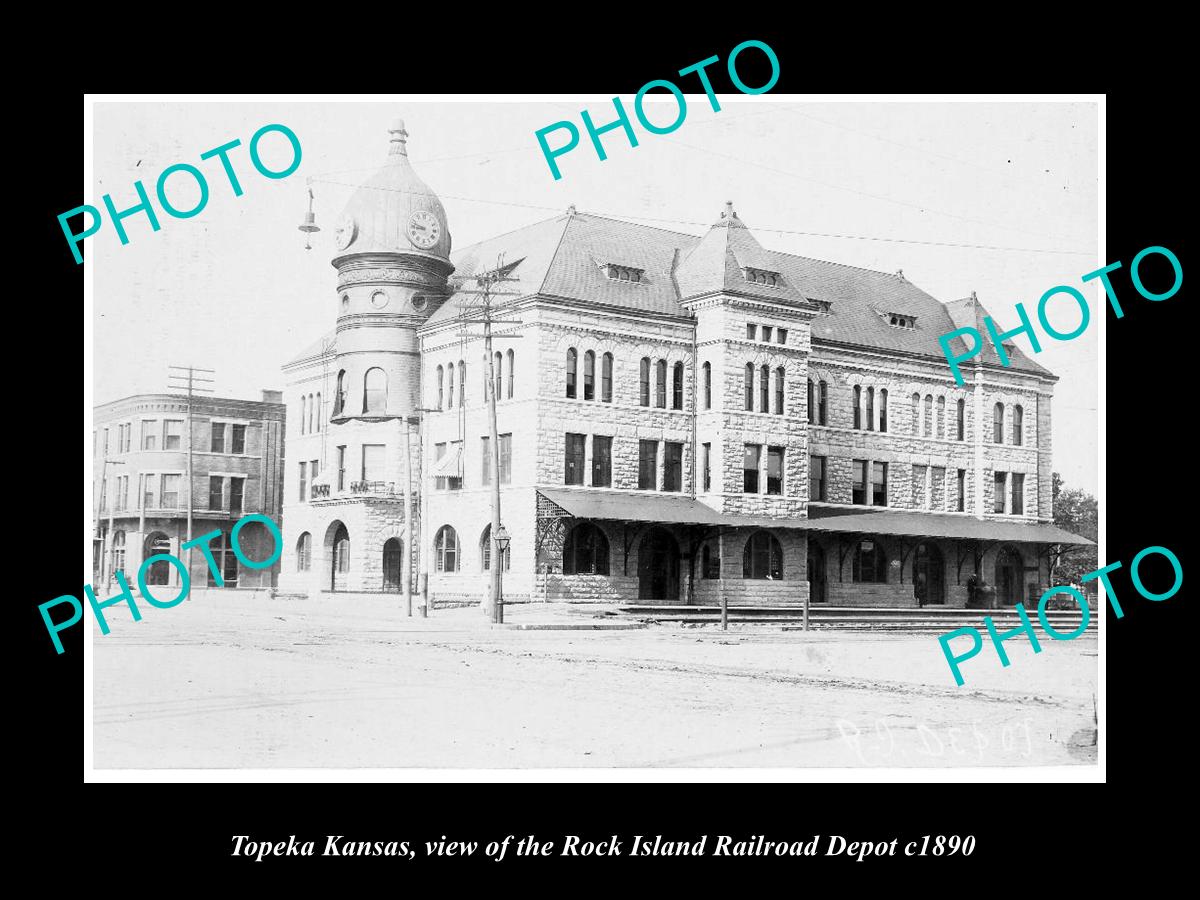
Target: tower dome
393, 211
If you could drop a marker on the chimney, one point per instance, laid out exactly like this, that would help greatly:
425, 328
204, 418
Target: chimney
272, 396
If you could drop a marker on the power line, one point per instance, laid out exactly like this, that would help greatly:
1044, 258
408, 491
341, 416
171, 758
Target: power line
628, 216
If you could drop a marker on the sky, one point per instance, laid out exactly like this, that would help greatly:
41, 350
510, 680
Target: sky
996, 198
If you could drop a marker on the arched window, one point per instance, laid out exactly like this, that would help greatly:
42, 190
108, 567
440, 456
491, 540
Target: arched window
450, 386
883, 409
319, 411
440, 386
310, 413
572, 357
445, 550
304, 552
303, 411
962, 420
589, 376
462, 383
870, 562
644, 384
339, 397
998, 424
1018, 425
812, 413
749, 387
822, 410
763, 557
498, 374
511, 359
341, 550
660, 384
118, 551
677, 387
916, 414
585, 551
870, 409
779, 375
858, 406
941, 418
606, 363
485, 551
707, 368
764, 389
928, 429
375, 391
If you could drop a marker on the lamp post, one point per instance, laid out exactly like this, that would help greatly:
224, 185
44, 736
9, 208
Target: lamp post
502, 541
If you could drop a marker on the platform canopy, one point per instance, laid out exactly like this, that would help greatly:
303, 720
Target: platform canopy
677, 509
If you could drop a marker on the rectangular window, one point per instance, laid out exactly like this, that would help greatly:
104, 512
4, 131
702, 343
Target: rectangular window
123, 492
239, 439
998, 492
781, 335
148, 496
216, 490
574, 458
751, 332
1018, 494
879, 484
149, 436
485, 465
601, 461
314, 469
918, 487
858, 490
105, 442
218, 437
373, 462
505, 458
341, 464
962, 419
961, 505
647, 465
774, 470
172, 429
439, 453
768, 333
707, 461
303, 483
750, 465
672, 466
170, 491
237, 491
1018, 426
816, 478
822, 390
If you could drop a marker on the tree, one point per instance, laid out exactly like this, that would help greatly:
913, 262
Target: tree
1075, 510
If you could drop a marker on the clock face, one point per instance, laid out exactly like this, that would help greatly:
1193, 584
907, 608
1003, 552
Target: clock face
424, 230
345, 232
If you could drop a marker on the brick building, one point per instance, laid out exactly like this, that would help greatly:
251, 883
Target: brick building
140, 469
678, 416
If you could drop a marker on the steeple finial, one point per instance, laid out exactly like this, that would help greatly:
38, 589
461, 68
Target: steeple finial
399, 136
729, 213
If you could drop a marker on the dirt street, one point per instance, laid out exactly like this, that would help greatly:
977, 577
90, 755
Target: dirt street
227, 680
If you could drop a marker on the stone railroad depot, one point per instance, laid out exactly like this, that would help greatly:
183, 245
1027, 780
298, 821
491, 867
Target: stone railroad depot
678, 415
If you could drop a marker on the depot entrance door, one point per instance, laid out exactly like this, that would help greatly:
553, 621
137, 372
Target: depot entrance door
658, 566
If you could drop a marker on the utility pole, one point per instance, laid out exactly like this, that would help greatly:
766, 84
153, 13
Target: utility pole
194, 383
486, 283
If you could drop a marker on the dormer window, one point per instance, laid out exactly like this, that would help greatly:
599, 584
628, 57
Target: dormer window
900, 320
761, 276
824, 306
623, 273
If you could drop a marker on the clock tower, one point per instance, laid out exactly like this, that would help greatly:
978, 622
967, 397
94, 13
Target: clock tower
392, 261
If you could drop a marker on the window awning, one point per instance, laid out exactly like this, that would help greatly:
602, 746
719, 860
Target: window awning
324, 477
650, 506
450, 465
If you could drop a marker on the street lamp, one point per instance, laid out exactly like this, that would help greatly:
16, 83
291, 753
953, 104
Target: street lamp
502, 542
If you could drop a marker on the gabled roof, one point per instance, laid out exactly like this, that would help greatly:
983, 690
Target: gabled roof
566, 257
323, 344
970, 313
